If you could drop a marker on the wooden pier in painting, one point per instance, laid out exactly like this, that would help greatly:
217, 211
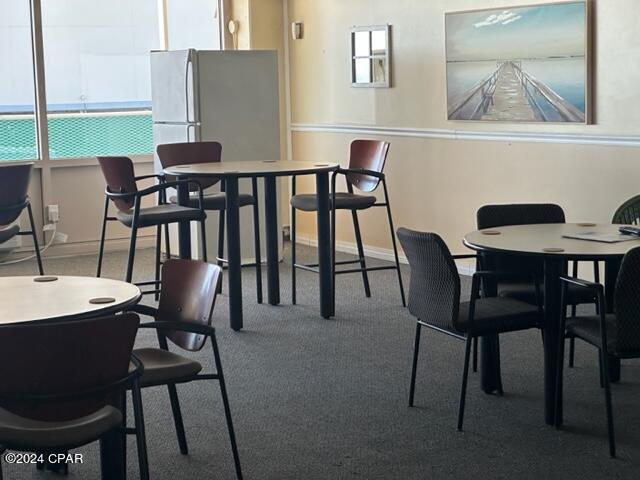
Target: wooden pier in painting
511, 94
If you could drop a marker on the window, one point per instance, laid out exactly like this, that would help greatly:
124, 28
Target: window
17, 97
96, 68
193, 24
370, 56
97, 76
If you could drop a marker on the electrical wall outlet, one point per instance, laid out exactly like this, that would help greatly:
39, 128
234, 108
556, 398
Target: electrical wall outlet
53, 213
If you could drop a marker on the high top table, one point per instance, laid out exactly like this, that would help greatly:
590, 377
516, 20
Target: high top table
54, 298
231, 172
546, 242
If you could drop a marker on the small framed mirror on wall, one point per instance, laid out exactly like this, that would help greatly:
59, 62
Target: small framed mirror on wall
371, 56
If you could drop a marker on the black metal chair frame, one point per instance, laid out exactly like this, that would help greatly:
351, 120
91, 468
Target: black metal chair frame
18, 208
356, 227
206, 331
130, 381
603, 351
477, 279
137, 196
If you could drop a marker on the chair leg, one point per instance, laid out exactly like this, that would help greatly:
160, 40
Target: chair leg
465, 376
572, 351
256, 238
203, 239
292, 238
35, 239
132, 242
475, 354
363, 265
221, 243
414, 366
559, 375
141, 439
156, 295
177, 419
394, 243
102, 236
167, 242
572, 341
604, 360
227, 409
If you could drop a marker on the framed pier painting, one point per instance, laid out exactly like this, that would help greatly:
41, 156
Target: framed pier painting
521, 64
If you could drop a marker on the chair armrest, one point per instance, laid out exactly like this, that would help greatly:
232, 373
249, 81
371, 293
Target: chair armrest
91, 392
505, 275
181, 327
582, 283
597, 288
145, 310
499, 275
159, 176
166, 185
465, 255
362, 171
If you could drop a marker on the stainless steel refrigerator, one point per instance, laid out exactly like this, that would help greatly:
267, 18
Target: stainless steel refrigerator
227, 96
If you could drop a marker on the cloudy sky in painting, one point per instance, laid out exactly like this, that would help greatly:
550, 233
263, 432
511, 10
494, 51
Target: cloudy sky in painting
508, 33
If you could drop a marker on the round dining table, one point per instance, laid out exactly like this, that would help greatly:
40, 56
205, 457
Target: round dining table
551, 244
269, 170
57, 298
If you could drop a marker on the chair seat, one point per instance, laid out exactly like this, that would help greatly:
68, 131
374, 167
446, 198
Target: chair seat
162, 366
526, 292
215, 201
160, 214
8, 233
496, 315
17, 431
587, 328
308, 202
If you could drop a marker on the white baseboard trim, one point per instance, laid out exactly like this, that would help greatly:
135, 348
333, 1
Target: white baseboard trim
452, 134
466, 268
61, 250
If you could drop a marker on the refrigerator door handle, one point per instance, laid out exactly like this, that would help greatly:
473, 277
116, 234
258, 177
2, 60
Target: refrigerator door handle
187, 67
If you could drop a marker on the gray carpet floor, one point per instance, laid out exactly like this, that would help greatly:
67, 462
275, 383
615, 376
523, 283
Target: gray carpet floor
327, 399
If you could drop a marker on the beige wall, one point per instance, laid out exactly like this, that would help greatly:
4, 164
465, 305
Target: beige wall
436, 183
77, 187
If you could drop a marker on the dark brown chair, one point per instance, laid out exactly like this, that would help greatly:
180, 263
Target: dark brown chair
494, 216
172, 154
366, 163
434, 299
123, 191
62, 385
183, 316
615, 335
14, 198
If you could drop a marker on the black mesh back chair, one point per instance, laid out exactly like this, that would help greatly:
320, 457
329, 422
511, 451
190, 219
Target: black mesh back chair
494, 216
123, 191
434, 299
14, 198
62, 384
626, 214
183, 317
616, 334
366, 162
172, 154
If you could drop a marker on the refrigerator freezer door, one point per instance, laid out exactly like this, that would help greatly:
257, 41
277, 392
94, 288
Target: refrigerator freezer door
173, 89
